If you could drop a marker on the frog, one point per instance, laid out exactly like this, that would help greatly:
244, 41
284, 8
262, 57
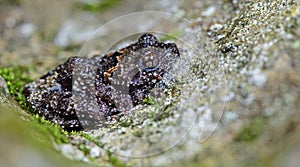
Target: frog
84, 92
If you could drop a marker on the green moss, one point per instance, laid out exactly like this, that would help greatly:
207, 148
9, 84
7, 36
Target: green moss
114, 160
83, 148
252, 130
151, 114
148, 100
52, 131
138, 133
91, 138
126, 123
296, 44
29, 136
97, 6
16, 78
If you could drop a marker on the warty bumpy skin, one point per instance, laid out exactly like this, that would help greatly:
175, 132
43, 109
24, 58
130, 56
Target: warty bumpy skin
81, 93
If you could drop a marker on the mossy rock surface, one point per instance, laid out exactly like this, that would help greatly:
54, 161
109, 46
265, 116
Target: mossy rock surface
256, 46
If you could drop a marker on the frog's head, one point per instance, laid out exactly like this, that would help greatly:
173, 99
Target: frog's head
155, 54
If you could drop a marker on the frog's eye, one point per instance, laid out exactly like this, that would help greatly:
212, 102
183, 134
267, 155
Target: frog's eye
150, 61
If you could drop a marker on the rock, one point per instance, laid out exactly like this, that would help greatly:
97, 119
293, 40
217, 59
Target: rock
3, 85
